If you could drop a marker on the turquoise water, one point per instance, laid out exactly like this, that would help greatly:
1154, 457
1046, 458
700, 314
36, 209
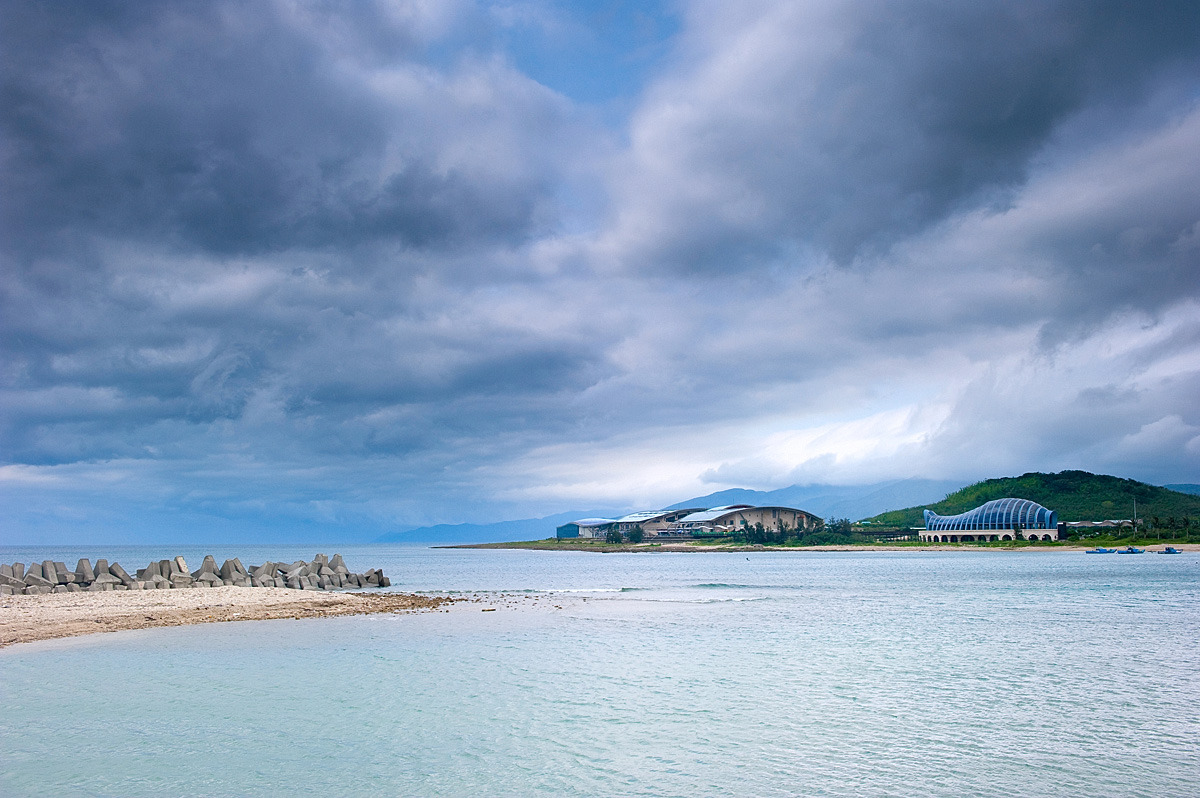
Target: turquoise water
847, 674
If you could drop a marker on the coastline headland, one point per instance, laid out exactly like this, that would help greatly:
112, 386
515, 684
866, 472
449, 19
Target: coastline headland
321, 573
603, 547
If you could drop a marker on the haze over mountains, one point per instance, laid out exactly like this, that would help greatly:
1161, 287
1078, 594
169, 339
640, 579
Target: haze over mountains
828, 501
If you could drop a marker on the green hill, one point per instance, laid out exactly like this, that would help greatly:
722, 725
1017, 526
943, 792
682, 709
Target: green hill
1074, 495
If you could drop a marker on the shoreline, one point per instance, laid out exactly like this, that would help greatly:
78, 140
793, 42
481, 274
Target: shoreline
27, 619
600, 547
50, 616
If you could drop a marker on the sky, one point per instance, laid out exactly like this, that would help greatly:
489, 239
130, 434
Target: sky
280, 270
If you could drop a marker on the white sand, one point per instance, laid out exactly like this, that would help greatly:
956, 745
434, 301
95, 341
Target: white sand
44, 617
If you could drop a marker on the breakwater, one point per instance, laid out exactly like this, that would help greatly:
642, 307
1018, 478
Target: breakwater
321, 573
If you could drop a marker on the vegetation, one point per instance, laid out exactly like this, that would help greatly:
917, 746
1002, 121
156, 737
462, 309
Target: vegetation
1074, 495
838, 531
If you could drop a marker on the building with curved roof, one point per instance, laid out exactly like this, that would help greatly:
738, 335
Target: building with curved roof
727, 520
586, 528
693, 522
998, 519
653, 522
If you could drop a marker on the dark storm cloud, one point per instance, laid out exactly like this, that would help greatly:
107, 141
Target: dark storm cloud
233, 128
279, 338
848, 126
210, 203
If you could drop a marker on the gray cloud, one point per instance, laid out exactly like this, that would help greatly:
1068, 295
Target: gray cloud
237, 128
849, 126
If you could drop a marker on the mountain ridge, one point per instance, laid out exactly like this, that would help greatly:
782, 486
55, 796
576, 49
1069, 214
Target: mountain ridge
827, 501
496, 532
1074, 495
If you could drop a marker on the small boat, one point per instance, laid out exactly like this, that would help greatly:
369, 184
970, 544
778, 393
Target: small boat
1130, 550
1170, 550
1100, 550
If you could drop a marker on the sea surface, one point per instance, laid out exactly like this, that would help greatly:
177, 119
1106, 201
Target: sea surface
707, 674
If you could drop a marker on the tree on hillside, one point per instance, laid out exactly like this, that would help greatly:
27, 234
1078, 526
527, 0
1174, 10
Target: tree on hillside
840, 526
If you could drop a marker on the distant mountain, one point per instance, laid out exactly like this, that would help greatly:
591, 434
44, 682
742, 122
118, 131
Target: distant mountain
827, 501
1074, 495
1184, 487
834, 501
499, 532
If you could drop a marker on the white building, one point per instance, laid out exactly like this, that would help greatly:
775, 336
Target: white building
693, 522
731, 518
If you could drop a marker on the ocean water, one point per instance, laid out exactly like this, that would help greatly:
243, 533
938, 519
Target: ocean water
768, 674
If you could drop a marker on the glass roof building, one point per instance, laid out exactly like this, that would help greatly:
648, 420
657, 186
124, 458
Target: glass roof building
999, 515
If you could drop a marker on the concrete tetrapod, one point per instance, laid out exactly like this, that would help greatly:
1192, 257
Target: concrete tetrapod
321, 573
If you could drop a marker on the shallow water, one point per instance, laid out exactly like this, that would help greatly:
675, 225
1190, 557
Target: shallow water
838, 674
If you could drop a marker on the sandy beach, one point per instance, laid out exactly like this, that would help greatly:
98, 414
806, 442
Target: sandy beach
25, 619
